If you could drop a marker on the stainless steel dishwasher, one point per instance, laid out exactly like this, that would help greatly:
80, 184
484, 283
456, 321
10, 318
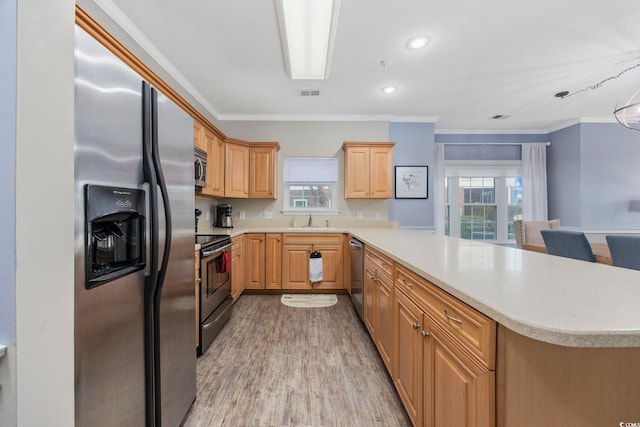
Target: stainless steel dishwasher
356, 250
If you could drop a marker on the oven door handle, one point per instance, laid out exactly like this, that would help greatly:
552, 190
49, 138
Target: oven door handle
207, 254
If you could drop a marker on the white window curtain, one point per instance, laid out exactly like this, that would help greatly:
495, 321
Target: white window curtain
534, 182
438, 186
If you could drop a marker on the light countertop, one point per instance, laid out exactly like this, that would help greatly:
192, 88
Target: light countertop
544, 297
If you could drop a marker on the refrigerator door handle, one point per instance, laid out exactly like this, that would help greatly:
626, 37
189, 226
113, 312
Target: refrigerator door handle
166, 253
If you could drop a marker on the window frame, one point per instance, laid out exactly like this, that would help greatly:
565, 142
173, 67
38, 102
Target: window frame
290, 210
500, 170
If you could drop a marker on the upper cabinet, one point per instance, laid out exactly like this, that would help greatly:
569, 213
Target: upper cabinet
205, 138
263, 170
236, 170
368, 170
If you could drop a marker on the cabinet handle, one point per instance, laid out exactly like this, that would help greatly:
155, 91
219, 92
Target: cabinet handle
385, 265
425, 334
407, 283
271, 193
415, 325
451, 318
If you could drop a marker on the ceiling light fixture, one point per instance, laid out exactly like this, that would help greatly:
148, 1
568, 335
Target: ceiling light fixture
389, 89
629, 114
307, 32
417, 42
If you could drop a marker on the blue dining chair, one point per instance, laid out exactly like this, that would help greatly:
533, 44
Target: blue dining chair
568, 244
625, 250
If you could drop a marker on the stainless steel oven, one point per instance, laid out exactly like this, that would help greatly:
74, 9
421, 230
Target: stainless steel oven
215, 287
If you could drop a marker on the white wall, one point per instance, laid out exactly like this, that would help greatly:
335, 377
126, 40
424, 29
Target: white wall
308, 139
45, 213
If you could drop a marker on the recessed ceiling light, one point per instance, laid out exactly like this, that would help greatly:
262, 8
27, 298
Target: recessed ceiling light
418, 41
389, 89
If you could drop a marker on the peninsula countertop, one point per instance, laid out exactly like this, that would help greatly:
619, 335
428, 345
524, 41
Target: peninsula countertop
544, 297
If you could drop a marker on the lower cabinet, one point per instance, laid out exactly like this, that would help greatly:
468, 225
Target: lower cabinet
263, 260
237, 267
296, 249
438, 382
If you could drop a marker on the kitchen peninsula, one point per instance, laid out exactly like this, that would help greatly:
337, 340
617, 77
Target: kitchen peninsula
566, 338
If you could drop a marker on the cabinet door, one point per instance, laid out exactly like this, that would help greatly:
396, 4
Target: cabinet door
237, 267
295, 266
215, 164
332, 266
198, 135
384, 306
356, 171
236, 181
408, 356
370, 295
380, 177
254, 261
273, 261
457, 391
263, 173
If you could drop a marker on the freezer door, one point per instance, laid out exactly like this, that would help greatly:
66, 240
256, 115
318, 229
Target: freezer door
177, 306
109, 329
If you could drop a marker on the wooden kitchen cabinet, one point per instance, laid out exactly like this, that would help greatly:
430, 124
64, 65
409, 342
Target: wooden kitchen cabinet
254, 263
215, 162
198, 135
368, 170
263, 261
237, 267
273, 261
263, 170
296, 249
378, 303
444, 374
236, 182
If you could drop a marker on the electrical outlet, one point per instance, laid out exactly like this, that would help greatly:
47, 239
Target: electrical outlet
241, 214
359, 215
207, 216
268, 214
378, 216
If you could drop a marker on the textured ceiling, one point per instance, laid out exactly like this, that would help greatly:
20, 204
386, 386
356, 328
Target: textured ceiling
485, 58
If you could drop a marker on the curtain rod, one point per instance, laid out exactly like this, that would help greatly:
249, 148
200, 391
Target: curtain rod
493, 143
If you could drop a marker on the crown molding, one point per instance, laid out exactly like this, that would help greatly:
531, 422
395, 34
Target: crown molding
138, 36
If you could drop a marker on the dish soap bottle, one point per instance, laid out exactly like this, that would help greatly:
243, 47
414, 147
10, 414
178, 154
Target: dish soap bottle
294, 221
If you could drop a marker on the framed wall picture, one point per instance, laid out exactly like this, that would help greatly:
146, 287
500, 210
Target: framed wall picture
411, 182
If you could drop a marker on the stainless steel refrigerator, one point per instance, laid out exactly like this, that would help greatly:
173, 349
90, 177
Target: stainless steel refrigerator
134, 254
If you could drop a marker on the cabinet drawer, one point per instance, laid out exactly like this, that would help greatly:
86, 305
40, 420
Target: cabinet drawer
312, 239
378, 262
472, 330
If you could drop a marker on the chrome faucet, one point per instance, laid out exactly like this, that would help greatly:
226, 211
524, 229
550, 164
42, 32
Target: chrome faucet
310, 221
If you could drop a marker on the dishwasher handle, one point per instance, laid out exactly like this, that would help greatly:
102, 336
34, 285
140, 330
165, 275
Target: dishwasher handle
356, 243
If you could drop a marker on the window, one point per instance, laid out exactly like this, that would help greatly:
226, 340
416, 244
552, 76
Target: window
482, 200
310, 184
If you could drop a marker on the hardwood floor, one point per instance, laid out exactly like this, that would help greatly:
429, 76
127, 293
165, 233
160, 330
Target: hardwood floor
274, 365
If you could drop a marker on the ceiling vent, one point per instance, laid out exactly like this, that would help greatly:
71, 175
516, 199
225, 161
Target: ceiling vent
309, 92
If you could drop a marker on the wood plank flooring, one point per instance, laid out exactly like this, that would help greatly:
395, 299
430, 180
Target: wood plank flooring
274, 365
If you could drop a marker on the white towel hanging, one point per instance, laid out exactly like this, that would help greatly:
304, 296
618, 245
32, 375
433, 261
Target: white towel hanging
315, 267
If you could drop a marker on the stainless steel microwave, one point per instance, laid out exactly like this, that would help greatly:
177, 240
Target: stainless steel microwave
200, 167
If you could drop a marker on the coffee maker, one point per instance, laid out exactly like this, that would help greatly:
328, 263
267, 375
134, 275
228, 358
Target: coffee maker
223, 216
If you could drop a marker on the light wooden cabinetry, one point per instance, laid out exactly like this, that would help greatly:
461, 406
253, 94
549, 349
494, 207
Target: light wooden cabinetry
263, 264
296, 249
198, 135
236, 183
237, 267
368, 170
273, 261
214, 146
263, 170
254, 250
378, 303
444, 356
